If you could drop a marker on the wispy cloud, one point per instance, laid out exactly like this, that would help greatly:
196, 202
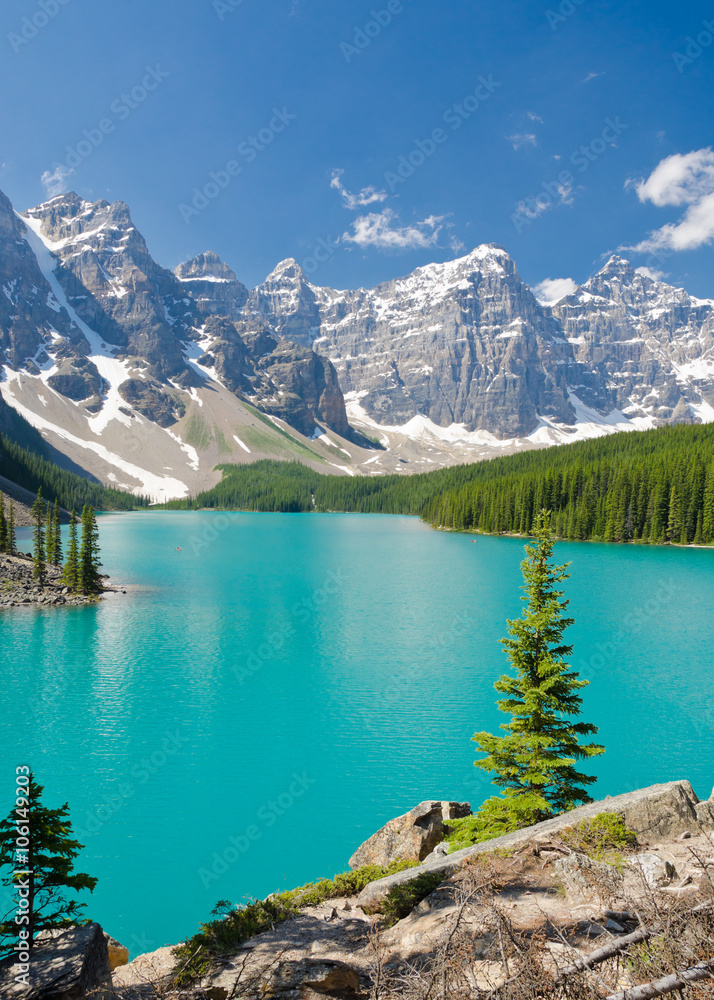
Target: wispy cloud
55, 182
653, 273
522, 139
552, 290
367, 196
383, 230
558, 194
535, 118
680, 180
591, 76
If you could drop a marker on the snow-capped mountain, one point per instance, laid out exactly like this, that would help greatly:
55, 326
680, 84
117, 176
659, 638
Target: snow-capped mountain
111, 358
147, 378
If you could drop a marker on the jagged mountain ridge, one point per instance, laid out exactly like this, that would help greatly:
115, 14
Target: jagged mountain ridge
453, 362
468, 343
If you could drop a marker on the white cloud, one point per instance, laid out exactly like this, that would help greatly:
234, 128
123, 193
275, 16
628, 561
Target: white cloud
650, 272
552, 290
55, 182
591, 76
522, 139
382, 230
367, 196
534, 117
679, 180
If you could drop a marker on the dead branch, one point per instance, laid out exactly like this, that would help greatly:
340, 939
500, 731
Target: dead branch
677, 981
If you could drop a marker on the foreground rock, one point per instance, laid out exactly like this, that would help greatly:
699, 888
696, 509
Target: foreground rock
65, 965
656, 813
411, 837
535, 894
17, 586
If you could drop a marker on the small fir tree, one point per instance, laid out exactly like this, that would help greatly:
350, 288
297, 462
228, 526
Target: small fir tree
535, 762
48, 862
38, 538
70, 573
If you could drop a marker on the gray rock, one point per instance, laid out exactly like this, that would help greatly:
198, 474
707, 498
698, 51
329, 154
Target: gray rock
584, 876
410, 837
65, 965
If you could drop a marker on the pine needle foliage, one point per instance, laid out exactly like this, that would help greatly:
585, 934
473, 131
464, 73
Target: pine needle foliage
536, 761
49, 860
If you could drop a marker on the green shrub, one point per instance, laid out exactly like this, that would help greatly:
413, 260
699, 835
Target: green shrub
402, 899
496, 817
227, 933
345, 884
234, 926
600, 836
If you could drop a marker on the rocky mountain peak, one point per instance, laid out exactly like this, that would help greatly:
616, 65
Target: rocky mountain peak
207, 266
617, 267
286, 270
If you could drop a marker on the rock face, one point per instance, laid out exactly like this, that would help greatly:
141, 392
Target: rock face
118, 954
411, 837
656, 813
29, 312
466, 342
213, 286
66, 965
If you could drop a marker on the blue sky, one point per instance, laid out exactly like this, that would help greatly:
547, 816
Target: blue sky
527, 124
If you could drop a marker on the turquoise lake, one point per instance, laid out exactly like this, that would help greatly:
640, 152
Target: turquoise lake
261, 701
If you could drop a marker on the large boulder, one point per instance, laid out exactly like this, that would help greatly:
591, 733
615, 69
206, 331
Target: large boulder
64, 964
411, 837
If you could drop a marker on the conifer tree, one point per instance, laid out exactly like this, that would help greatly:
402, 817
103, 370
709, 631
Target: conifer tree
89, 553
49, 532
48, 861
3, 525
535, 762
56, 537
11, 540
38, 536
70, 573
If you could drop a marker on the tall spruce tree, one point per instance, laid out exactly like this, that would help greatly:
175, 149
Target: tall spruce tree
11, 540
48, 861
3, 525
56, 536
38, 540
49, 532
89, 562
535, 762
70, 574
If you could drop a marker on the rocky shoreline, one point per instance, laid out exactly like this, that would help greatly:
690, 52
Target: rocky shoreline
538, 912
18, 588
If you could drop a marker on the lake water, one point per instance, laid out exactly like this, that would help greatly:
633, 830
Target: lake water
263, 700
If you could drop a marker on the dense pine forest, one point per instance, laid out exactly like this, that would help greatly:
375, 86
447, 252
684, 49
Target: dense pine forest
652, 486
26, 467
